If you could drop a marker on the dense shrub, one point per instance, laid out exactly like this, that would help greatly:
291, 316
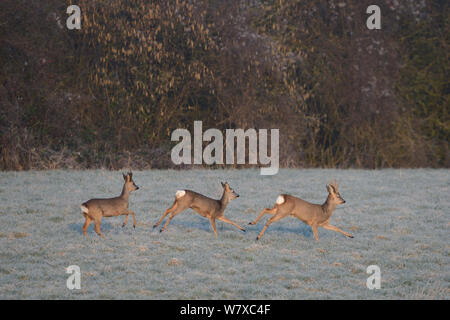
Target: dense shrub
110, 94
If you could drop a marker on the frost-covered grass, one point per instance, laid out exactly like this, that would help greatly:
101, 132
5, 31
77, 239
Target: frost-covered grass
400, 220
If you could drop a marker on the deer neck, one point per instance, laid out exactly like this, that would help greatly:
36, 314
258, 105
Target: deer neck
224, 201
125, 195
328, 207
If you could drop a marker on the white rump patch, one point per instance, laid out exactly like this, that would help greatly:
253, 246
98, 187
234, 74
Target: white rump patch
84, 209
280, 200
180, 193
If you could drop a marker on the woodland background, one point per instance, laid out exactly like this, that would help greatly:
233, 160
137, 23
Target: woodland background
109, 95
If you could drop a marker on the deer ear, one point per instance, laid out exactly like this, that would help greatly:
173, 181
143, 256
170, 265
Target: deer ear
223, 184
124, 176
130, 174
329, 189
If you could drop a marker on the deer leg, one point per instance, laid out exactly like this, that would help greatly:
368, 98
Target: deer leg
86, 224
231, 222
174, 206
97, 227
172, 215
264, 211
316, 232
213, 225
134, 219
126, 220
330, 227
269, 222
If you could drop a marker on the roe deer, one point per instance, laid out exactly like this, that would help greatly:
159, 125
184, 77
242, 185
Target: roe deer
96, 209
315, 215
206, 207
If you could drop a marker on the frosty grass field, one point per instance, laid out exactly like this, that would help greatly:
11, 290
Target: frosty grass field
400, 220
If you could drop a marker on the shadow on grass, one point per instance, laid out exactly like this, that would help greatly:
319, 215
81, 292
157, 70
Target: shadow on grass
301, 230
106, 226
200, 223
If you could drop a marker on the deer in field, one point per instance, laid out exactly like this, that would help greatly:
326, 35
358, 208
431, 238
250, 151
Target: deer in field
96, 209
315, 215
206, 207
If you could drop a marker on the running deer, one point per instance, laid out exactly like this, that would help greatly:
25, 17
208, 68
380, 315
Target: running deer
96, 209
206, 207
315, 215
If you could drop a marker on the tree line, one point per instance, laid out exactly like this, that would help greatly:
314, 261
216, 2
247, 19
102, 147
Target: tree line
110, 94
